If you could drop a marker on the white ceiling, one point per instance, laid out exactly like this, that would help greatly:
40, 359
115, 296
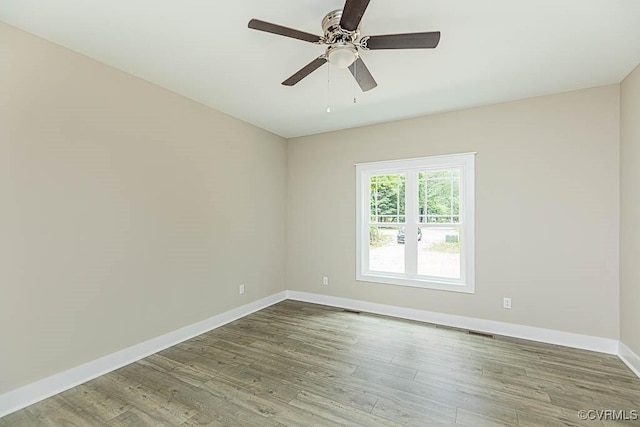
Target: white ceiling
490, 51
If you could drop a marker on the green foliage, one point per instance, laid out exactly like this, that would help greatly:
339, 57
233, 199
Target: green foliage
439, 196
387, 198
378, 239
445, 247
438, 192
452, 238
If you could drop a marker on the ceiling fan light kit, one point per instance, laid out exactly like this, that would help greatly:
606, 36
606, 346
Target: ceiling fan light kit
341, 30
342, 56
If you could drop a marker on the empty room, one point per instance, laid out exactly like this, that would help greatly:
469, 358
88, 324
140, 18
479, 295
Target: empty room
320, 213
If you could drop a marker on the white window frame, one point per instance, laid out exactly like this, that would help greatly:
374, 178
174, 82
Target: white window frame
410, 167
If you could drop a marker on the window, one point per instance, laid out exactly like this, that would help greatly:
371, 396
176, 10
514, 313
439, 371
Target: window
415, 223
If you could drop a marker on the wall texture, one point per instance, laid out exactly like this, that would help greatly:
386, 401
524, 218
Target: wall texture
126, 211
630, 212
547, 209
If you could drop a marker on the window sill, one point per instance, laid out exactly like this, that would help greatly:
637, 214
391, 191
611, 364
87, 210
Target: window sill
434, 284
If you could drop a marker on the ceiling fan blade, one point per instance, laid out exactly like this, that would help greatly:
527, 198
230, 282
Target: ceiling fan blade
362, 75
305, 71
268, 27
352, 14
404, 41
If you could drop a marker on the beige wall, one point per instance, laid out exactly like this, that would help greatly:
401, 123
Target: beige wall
630, 212
126, 211
547, 209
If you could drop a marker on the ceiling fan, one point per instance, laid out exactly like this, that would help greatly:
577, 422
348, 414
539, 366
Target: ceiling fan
342, 37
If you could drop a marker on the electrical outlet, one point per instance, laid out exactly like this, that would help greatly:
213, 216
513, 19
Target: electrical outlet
325, 280
506, 303
241, 289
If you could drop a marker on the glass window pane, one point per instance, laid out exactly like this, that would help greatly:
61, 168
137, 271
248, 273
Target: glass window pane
439, 252
386, 249
439, 196
387, 198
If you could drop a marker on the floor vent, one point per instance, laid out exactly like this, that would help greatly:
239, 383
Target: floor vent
346, 310
480, 334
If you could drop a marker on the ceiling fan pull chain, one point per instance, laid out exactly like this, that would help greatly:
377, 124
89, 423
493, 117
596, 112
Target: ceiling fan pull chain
328, 88
355, 80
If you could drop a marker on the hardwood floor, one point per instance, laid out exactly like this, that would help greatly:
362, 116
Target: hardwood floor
296, 364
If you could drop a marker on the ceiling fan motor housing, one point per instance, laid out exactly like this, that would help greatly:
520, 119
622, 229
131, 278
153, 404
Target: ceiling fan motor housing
333, 33
342, 50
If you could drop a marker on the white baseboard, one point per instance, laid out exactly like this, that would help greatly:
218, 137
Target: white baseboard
550, 336
40, 390
630, 359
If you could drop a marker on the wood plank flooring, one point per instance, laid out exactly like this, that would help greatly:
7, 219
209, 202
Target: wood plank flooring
299, 364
